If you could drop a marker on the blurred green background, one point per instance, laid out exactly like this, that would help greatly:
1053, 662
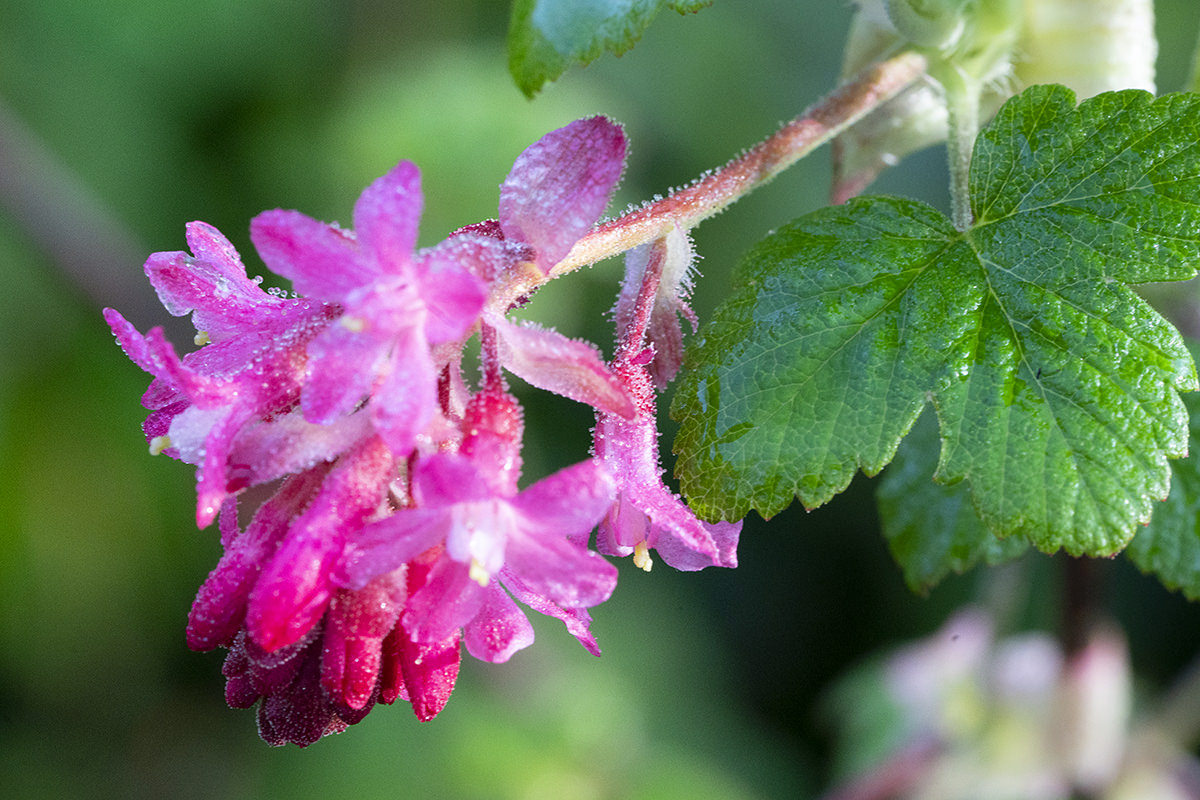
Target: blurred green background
122, 121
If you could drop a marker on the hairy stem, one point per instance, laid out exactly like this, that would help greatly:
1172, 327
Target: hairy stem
962, 104
712, 193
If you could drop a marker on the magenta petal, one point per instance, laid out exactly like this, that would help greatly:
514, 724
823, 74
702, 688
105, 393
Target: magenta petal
212, 283
343, 365
320, 260
355, 627
548, 360
560, 185
560, 570
295, 586
577, 620
499, 629
430, 671
220, 606
406, 400
212, 477
669, 516
389, 543
386, 217
453, 297
447, 601
290, 444
445, 478
678, 553
570, 502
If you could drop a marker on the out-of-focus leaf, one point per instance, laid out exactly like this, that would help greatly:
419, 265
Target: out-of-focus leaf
545, 37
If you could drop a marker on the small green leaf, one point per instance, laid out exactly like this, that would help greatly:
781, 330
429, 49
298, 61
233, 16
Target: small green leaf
545, 37
933, 530
1055, 385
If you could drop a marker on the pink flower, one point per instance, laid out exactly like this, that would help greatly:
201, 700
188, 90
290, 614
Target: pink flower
248, 374
493, 538
647, 515
397, 304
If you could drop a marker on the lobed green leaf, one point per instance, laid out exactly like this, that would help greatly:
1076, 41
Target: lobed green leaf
1056, 386
546, 37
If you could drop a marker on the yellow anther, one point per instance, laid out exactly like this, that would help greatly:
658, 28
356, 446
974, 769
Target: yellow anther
641, 556
353, 324
158, 444
201, 338
479, 574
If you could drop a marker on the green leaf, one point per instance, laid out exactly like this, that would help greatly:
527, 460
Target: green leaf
545, 37
1169, 547
933, 530
1055, 385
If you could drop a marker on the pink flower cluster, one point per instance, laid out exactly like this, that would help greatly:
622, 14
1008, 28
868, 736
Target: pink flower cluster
395, 531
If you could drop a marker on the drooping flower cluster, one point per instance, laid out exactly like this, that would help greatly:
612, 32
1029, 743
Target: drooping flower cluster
396, 530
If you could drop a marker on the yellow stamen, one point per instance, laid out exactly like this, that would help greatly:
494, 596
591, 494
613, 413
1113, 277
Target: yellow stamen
478, 573
158, 444
641, 556
201, 338
353, 324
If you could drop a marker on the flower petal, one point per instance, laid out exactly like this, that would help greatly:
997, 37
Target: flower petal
405, 401
577, 620
560, 570
295, 586
568, 503
389, 543
320, 260
343, 365
212, 283
452, 295
386, 217
220, 606
560, 185
678, 552
444, 604
430, 671
548, 360
499, 629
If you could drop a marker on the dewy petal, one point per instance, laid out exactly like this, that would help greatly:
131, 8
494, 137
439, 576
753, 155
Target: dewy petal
453, 296
577, 620
677, 552
429, 673
560, 570
389, 543
212, 283
320, 260
343, 365
386, 217
560, 185
447, 601
290, 444
569, 502
355, 627
220, 606
296, 584
406, 399
499, 629
548, 360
